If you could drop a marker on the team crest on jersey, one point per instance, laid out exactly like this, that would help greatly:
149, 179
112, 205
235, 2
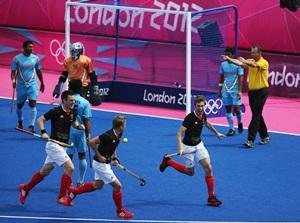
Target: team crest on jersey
72, 117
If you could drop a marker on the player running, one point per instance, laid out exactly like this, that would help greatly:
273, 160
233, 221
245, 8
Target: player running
192, 127
104, 147
24, 68
62, 118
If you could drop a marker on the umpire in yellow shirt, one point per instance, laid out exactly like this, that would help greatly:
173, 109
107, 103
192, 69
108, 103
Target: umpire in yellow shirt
258, 69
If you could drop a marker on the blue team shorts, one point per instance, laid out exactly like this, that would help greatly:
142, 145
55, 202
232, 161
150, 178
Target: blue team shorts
25, 92
230, 98
77, 137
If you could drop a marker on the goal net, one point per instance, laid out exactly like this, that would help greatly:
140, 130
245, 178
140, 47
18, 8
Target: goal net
170, 48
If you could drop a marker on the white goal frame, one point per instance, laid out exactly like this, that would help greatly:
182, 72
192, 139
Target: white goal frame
188, 35
188, 38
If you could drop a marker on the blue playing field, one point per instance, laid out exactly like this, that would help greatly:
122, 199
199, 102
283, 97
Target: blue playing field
261, 184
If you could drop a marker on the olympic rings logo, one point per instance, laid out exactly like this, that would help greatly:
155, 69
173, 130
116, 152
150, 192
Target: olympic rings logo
213, 106
58, 50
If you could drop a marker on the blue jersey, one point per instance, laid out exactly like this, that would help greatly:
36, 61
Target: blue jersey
25, 66
83, 108
77, 136
231, 73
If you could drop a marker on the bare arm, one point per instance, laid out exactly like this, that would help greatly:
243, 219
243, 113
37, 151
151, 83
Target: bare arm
13, 77
234, 61
213, 129
240, 85
76, 125
41, 126
40, 76
180, 132
248, 62
115, 160
221, 83
87, 124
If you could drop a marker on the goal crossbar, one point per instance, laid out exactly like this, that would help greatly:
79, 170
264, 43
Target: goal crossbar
188, 40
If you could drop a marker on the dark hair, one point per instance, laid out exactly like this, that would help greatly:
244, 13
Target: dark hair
199, 98
118, 121
75, 86
258, 48
66, 94
229, 50
26, 43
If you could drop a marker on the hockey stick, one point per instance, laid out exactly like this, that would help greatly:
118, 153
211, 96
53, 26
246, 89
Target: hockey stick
142, 180
51, 140
169, 155
12, 105
89, 152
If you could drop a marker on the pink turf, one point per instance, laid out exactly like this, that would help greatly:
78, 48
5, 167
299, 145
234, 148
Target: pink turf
281, 114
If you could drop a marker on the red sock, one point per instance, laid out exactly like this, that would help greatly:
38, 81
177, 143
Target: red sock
35, 179
85, 188
65, 183
210, 182
117, 196
177, 166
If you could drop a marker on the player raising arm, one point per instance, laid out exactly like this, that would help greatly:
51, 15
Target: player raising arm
192, 147
258, 90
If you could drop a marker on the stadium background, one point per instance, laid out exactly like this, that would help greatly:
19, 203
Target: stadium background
45, 27
255, 185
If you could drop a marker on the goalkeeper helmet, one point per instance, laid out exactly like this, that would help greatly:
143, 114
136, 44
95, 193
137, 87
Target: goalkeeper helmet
76, 50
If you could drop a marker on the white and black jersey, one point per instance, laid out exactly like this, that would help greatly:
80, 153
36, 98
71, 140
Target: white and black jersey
60, 123
108, 144
194, 126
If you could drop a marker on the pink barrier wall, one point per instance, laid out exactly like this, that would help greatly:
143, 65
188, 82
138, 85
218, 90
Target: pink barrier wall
262, 22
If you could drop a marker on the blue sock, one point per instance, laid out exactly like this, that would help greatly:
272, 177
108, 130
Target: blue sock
82, 170
33, 112
19, 114
229, 117
239, 117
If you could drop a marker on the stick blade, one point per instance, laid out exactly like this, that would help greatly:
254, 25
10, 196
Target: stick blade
143, 182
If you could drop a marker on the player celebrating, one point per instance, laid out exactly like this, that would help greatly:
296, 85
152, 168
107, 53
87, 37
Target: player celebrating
105, 153
192, 147
230, 89
78, 137
24, 66
79, 66
61, 119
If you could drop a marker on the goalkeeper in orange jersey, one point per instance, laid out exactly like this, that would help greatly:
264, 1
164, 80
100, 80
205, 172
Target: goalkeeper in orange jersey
79, 66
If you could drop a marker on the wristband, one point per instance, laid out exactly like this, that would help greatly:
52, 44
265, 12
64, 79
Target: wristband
220, 85
115, 158
43, 131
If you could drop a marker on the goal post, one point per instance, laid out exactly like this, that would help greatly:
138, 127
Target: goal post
101, 20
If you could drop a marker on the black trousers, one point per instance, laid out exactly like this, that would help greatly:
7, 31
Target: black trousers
257, 99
